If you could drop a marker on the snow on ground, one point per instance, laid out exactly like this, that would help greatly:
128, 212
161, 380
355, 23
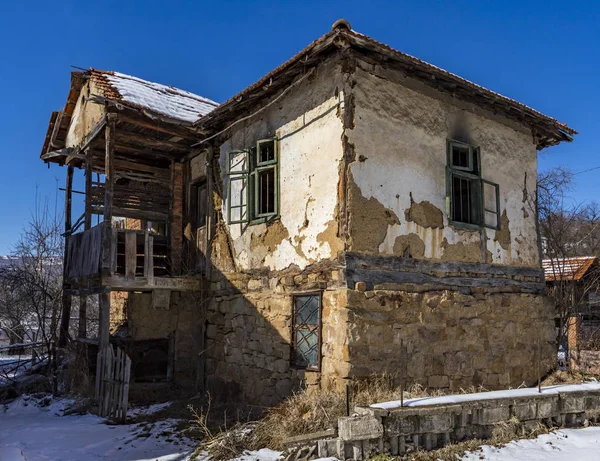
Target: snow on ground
35, 433
564, 444
37, 429
505, 394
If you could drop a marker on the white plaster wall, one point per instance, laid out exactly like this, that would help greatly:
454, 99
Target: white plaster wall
307, 124
402, 132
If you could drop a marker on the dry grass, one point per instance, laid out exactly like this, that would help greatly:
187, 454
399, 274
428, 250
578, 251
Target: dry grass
502, 434
568, 377
301, 413
76, 376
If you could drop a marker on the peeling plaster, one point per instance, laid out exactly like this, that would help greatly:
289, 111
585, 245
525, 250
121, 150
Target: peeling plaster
401, 132
424, 214
369, 220
309, 130
410, 246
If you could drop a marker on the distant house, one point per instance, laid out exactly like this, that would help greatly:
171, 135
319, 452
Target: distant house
355, 211
574, 284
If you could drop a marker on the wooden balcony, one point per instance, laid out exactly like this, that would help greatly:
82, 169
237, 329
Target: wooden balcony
139, 260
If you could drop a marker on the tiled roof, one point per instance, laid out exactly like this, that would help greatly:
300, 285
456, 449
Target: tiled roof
551, 130
567, 268
155, 97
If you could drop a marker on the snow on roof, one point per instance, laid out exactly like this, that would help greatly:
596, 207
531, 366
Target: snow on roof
504, 394
567, 268
161, 99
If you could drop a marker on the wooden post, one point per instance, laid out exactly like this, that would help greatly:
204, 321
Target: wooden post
108, 194
347, 399
82, 330
402, 373
107, 240
66, 297
88, 191
539, 377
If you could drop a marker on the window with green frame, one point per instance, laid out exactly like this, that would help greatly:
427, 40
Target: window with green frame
471, 201
253, 185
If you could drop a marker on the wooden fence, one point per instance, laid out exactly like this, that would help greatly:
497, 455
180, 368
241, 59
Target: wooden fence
84, 253
112, 383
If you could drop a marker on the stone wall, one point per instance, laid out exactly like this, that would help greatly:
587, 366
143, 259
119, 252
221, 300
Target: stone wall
447, 339
585, 361
249, 334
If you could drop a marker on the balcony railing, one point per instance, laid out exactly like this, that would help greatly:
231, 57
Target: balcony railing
136, 253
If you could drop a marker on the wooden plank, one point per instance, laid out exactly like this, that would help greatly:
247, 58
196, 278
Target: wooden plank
155, 125
108, 193
397, 263
411, 279
104, 320
130, 254
149, 255
88, 191
146, 248
66, 297
121, 283
126, 377
82, 328
160, 173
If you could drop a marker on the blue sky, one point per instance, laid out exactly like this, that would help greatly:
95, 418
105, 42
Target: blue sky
542, 53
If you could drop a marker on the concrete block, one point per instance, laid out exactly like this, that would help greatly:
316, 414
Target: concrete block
328, 448
547, 408
494, 415
359, 428
397, 426
436, 423
572, 403
525, 412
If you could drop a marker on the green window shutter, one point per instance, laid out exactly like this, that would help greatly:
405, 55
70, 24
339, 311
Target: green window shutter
490, 204
238, 170
449, 193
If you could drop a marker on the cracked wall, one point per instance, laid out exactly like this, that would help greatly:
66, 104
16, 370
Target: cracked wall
308, 125
399, 141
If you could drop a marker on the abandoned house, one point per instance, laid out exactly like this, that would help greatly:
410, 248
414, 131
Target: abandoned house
355, 211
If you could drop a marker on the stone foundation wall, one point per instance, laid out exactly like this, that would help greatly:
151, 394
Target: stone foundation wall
249, 334
449, 340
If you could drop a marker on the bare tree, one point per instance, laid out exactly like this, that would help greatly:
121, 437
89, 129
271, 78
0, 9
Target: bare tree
35, 274
567, 230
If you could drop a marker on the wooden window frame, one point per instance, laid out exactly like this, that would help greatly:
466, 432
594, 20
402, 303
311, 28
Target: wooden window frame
238, 175
194, 186
251, 177
472, 173
318, 330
